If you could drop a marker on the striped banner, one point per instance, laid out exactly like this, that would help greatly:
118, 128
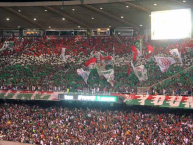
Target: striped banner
185, 102
29, 95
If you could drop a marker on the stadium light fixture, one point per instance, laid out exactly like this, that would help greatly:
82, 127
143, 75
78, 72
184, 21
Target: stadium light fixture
7, 19
34, 19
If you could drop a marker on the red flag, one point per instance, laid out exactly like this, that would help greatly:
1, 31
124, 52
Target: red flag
134, 50
107, 58
148, 55
150, 48
129, 69
90, 61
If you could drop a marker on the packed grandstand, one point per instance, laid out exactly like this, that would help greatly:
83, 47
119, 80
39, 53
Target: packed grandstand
76, 123
38, 63
108, 82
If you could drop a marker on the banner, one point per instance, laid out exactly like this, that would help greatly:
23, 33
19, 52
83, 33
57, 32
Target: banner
7, 44
28, 95
83, 74
109, 75
164, 62
185, 102
140, 72
175, 53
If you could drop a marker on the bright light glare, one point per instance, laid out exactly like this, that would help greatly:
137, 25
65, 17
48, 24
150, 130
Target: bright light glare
171, 24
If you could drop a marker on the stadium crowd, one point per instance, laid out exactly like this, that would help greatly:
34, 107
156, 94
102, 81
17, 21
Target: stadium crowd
35, 63
64, 125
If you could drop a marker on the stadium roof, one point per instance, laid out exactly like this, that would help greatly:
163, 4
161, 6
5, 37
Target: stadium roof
83, 13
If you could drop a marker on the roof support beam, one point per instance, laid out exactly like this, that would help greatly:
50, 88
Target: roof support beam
137, 7
23, 17
111, 16
57, 3
62, 14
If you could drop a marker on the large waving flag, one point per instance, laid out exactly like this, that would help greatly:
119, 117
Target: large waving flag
64, 57
106, 57
175, 53
150, 48
106, 60
83, 74
99, 69
109, 75
164, 62
90, 63
134, 50
137, 44
140, 72
7, 45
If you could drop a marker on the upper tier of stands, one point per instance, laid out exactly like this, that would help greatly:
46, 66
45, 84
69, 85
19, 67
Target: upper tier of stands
36, 63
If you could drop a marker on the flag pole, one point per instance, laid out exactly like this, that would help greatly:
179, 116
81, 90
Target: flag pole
141, 45
114, 63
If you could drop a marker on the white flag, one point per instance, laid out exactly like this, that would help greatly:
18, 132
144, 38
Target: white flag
164, 62
64, 57
175, 53
140, 72
99, 69
7, 45
109, 75
83, 74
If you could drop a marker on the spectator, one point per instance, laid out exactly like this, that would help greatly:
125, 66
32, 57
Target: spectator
36, 124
